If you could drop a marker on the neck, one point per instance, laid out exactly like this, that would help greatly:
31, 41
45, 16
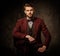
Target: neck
29, 18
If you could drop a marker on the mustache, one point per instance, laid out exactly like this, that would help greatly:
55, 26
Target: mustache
30, 13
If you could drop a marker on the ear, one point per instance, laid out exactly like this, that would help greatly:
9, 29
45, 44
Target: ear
24, 11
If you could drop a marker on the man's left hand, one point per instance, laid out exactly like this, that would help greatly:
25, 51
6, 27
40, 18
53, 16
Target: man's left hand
42, 49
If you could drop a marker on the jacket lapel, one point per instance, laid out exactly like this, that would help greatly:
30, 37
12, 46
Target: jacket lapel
36, 26
25, 24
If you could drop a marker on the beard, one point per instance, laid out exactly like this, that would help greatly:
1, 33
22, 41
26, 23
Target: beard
30, 15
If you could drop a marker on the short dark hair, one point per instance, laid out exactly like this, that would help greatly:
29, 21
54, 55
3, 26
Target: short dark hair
28, 5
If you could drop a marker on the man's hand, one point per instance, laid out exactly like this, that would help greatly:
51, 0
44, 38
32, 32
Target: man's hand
42, 49
30, 38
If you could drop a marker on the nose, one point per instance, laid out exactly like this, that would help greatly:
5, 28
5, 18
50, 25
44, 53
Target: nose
29, 11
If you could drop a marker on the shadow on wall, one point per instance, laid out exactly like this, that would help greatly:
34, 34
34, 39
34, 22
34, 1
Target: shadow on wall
6, 51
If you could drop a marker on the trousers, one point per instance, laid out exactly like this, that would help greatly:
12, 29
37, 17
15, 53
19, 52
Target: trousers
29, 50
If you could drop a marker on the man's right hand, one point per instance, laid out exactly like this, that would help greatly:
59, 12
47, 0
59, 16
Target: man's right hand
30, 38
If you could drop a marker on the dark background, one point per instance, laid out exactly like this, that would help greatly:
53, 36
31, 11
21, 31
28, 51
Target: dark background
12, 10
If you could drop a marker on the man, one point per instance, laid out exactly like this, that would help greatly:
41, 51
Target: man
27, 34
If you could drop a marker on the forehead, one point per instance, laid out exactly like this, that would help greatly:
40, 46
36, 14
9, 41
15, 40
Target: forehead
28, 8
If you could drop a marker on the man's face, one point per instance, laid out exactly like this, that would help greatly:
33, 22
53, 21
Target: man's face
29, 11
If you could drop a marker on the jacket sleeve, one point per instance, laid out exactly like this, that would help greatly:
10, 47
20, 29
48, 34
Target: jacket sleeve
46, 34
17, 31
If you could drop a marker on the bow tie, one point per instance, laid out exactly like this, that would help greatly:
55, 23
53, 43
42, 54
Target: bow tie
30, 20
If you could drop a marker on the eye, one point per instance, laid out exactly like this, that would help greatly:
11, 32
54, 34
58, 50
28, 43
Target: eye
27, 10
31, 10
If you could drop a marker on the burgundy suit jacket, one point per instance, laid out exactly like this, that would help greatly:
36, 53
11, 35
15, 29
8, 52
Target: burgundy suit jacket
20, 31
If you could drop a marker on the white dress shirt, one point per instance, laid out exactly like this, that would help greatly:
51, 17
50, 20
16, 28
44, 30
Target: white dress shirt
30, 23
